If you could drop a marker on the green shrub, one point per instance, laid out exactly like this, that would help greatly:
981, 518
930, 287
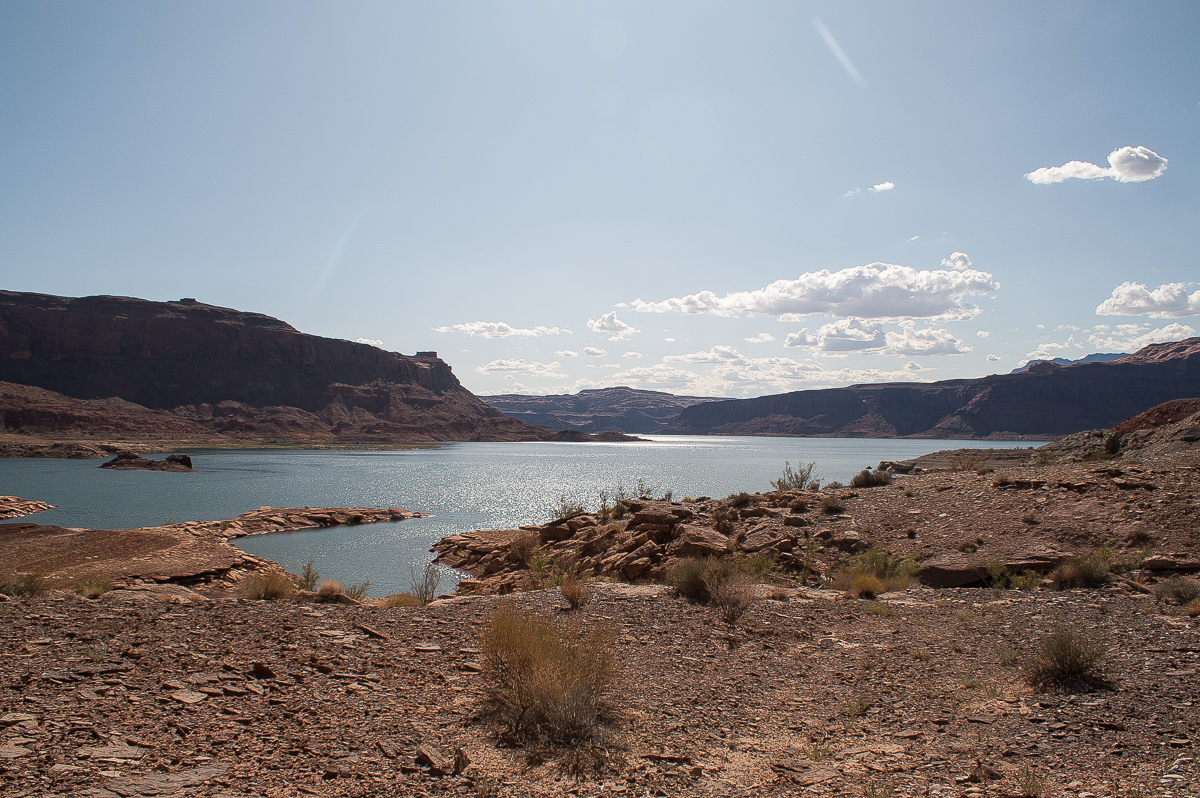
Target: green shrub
796, 479
309, 577
93, 588
1067, 656
1026, 580
549, 681
1182, 589
358, 591
871, 479
566, 508
271, 586
521, 550
888, 571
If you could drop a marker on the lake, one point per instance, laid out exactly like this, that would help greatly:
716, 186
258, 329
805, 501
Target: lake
464, 486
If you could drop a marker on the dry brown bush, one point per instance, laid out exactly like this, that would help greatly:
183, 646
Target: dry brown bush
93, 588
271, 586
832, 505
1088, 570
522, 548
549, 681
1192, 608
865, 586
24, 585
401, 600
1067, 656
576, 593
1182, 589
732, 595
330, 590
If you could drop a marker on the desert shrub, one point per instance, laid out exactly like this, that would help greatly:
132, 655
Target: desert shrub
1192, 608
732, 595
738, 499
522, 548
1182, 589
424, 583
357, 591
309, 577
726, 582
329, 590
871, 479
576, 593
798, 505
760, 566
1026, 580
566, 508
93, 588
1030, 782
796, 479
689, 577
549, 681
1087, 570
997, 573
866, 586
967, 546
832, 505
24, 585
271, 586
1067, 656
401, 600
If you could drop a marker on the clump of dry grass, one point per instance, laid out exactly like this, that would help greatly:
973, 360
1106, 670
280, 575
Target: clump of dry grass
1067, 657
401, 600
271, 586
330, 590
357, 591
24, 585
871, 479
725, 582
522, 548
1087, 570
832, 505
1182, 589
549, 681
732, 596
424, 584
1192, 608
576, 593
93, 588
738, 499
866, 586
876, 571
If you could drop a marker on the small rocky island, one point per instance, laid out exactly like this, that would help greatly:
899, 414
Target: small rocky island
132, 461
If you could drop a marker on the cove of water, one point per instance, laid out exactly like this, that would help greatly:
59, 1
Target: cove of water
464, 486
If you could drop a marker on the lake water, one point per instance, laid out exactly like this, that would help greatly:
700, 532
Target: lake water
464, 486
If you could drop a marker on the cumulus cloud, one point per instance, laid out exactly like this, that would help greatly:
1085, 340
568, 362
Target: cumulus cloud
592, 351
982, 333
957, 261
886, 185
633, 354
855, 335
993, 358
1131, 337
610, 325
1048, 351
369, 341
874, 291
761, 338
498, 329
566, 353
1168, 301
1125, 165
519, 366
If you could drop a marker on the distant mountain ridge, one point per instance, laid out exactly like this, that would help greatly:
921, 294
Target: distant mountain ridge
1095, 357
232, 373
597, 410
1044, 400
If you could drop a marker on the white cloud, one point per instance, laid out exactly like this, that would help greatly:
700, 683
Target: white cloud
983, 333
1125, 165
915, 238
669, 340
852, 192
886, 185
855, 335
592, 351
610, 325
531, 369
761, 338
633, 355
498, 329
1131, 337
369, 341
874, 291
1168, 301
957, 261
566, 353
1046, 351
993, 358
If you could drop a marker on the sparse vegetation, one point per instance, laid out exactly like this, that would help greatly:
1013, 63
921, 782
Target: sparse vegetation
732, 596
832, 505
329, 590
1026, 580
738, 499
271, 586
871, 479
95, 654
25, 585
309, 577
866, 586
1067, 656
1181, 589
424, 584
401, 600
93, 588
726, 582
798, 505
357, 591
875, 571
1030, 782
549, 681
576, 593
1192, 608
799, 478
523, 547
1006, 655
1087, 570
566, 508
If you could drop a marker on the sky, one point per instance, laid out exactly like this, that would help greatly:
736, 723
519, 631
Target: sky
708, 198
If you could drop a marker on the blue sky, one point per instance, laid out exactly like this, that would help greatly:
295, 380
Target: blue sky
715, 198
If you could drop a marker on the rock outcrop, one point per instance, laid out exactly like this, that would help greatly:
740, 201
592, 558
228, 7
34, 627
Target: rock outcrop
597, 410
1043, 401
187, 370
132, 461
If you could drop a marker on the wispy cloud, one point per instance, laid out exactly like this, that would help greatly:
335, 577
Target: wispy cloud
761, 338
369, 341
1125, 165
610, 325
875, 291
1131, 337
839, 53
1168, 301
633, 355
520, 366
498, 329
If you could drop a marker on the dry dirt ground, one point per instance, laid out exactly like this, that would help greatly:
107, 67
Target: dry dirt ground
160, 691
